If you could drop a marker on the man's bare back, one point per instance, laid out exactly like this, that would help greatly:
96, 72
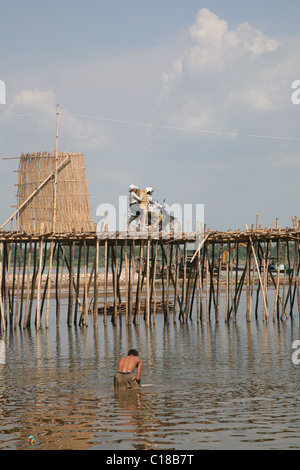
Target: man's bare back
128, 364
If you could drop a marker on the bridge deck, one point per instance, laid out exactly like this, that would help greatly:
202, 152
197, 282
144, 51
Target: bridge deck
237, 236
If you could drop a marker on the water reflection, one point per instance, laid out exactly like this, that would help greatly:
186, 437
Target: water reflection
135, 421
2, 352
214, 385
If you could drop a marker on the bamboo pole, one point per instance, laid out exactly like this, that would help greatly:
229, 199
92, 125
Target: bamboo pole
4, 286
231, 283
211, 265
139, 286
78, 284
227, 286
126, 278
85, 298
3, 322
47, 278
83, 315
260, 280
147, 283
7, 294
27, 285
295, 274
297, 254
291, 278
201, 272
199, 247
188, 294
237, 253
176, 280
297, 278
96, 284
55, 174
162, 272
219, 282
277, 282
154, 280
198, 274
265, 275
23, 284
33, 283
207, 285
265, 258
183, 298
71, 281
18, 285
57, 283
13, 284
274, 283
248, 280
49, 285
114, 266
39, 277
258, 285
167, 283
130, 280
119, 272
284, 282
288, 297
105, 279
194, 290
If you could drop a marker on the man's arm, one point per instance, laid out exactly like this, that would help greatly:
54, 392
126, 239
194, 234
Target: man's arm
138, 198
138, 372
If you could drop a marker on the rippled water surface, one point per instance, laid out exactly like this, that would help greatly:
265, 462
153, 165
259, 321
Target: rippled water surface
213, 386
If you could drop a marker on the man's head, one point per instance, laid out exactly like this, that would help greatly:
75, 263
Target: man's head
133, 352
133, 188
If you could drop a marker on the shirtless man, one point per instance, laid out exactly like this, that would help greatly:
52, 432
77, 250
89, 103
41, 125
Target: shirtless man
124, 377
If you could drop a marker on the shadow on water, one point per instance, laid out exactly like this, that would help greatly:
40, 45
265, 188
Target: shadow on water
212, 386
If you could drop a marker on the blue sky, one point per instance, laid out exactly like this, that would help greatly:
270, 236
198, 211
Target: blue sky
190, 97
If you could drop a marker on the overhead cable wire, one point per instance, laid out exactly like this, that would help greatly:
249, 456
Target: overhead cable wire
164, 126
185, 129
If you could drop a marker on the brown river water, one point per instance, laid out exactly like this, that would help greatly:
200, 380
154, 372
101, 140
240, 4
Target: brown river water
212, 386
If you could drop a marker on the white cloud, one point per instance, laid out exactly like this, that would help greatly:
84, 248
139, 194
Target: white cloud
252, 40
288, 161
34, 100
215, 47
228, 71
76, 131
208, 29
258, 99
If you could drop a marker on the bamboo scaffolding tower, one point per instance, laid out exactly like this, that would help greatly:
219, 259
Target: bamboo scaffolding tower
52, 194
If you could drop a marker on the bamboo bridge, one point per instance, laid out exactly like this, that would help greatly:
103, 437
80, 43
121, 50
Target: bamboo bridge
53, 250
137, 277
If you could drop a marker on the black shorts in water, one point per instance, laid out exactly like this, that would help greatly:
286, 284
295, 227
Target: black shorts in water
125, 381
